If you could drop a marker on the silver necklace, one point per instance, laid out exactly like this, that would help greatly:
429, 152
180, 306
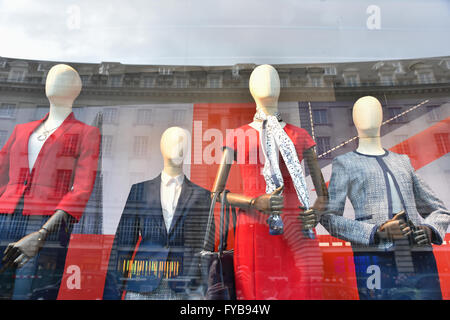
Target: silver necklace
44, 135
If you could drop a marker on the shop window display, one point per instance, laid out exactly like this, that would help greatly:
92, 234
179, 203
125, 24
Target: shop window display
337, 166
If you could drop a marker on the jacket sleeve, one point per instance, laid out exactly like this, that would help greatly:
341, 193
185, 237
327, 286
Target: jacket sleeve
430, 207
333, 220
125, 240
74, 202
4, 161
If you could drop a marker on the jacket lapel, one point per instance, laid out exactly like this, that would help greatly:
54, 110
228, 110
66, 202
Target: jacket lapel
24, 137
65, 125
182, 205
154, 200
154, 193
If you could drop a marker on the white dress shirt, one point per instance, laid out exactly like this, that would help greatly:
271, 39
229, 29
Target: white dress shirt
170, 192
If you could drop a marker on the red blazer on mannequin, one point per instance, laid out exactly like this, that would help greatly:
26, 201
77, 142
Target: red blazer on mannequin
63, 175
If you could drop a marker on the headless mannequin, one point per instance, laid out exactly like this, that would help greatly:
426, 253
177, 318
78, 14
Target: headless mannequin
62, 87
264, 86
367, 117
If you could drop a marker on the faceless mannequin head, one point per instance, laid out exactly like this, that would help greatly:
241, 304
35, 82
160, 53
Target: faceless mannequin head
63, 85
264, 86
367, 116
174, 148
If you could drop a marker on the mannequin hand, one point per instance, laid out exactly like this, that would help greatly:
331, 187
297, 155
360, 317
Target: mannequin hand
422, 235
394, 229
310, 218
269, 203
18, 253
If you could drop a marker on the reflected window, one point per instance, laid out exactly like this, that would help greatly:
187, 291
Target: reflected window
394, 112
140, 146
442, 142
70, 144
320, 116
352, 80
179, 116
323, 145
115, 80
284, 82
214, 82
403, 146
107, 145
330, 71
63, 178
425, 77
387, 80
183, 83
85, 79
148, 82
17, 76
144, 116
316, 81
8, 110
434, 113
3, 137
110, 115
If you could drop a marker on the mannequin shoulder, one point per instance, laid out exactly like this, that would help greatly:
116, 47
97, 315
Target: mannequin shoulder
294, 130
26, 126
400, 158
346, 158
85, 129
197, 188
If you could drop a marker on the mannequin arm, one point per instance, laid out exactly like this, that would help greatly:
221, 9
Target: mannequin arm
18, 253
266, 203
316, 174
311, 218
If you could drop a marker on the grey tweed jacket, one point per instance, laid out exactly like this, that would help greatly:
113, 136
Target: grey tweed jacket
363, 178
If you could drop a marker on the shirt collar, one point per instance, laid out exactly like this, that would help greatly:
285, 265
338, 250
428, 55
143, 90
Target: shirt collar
166, 179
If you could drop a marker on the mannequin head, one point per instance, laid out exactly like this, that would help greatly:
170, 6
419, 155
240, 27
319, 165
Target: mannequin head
264, 86
367, 116
174, 148
63, 85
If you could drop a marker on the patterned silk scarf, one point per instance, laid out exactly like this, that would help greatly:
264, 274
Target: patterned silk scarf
273, 136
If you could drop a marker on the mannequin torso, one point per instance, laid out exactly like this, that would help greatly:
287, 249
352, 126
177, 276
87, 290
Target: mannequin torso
37, 139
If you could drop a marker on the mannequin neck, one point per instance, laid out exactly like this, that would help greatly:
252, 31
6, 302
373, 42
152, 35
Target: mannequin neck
172, 170
268, 109
58, 113
370, 145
